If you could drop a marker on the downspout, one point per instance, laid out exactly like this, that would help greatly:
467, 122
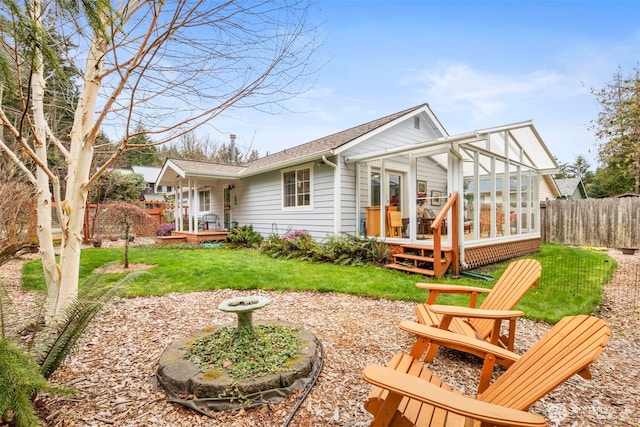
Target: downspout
336, 200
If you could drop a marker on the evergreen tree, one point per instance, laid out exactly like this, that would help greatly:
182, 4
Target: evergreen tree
141, 151
618, 126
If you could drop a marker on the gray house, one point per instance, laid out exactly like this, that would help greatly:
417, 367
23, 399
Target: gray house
400, 178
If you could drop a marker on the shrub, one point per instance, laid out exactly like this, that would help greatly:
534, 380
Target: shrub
21, 382
295, 244
346, 249
164, 229
244, 236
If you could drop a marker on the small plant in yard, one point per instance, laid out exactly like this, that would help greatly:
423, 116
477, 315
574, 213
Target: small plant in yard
245, 353
165, 229
244, 236
129, 220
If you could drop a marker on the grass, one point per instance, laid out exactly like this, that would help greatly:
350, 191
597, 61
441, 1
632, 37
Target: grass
571, 282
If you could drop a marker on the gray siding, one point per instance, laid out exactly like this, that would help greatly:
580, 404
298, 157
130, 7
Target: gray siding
260, 204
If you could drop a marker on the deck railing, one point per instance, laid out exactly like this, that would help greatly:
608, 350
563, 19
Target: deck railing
436, 227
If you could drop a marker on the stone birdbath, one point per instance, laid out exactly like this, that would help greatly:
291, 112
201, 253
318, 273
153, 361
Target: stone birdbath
216, 390
244, 308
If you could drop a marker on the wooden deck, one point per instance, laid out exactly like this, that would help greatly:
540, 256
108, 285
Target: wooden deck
419, 258
193, 237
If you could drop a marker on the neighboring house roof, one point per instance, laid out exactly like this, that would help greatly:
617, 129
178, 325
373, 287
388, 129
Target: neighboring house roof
153, 197
571, 188
150, 174
311, 150
627, 194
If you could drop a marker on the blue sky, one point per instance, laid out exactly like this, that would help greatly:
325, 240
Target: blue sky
477, 63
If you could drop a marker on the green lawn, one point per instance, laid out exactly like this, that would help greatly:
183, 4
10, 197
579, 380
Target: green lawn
571, 283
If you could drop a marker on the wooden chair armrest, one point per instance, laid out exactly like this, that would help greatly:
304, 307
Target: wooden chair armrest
438, 288
402, 384
452, 289
460, 342
470, 312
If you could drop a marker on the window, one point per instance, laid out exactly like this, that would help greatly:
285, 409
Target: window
296, 186
205, 200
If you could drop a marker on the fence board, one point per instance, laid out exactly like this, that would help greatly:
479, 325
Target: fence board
612, 223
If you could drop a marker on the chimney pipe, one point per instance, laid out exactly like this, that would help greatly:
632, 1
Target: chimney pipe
232, 149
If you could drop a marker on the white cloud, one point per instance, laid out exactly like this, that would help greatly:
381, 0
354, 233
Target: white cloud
455, 87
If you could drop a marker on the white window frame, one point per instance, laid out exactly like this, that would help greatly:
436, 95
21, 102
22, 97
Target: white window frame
202, 202
297, 185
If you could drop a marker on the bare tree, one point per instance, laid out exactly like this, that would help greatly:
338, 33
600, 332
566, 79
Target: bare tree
16, 211
127, 220
172, 66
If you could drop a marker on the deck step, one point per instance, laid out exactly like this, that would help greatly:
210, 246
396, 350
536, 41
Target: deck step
413, 257
422, 258
409, 269
166, 240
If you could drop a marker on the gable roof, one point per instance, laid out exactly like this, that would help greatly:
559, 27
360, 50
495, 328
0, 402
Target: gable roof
327, 144
149, 173
568, 186
299, 154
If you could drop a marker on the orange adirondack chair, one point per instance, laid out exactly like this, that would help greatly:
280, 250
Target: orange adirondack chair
407, 393
484, 322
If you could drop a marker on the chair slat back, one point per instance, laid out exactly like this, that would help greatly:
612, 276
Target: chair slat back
517, 279
568, 348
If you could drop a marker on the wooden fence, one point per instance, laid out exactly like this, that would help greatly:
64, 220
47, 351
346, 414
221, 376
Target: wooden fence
611, 223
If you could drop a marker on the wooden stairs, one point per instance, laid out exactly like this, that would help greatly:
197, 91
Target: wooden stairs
422, 259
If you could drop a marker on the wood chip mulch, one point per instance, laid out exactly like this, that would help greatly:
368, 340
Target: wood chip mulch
113, 368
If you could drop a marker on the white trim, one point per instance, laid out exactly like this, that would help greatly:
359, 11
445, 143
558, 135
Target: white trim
424, 109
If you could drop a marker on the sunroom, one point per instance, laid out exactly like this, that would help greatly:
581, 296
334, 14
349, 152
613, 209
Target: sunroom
475, 196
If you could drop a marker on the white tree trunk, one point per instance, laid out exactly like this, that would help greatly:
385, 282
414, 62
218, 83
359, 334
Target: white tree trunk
45, 234
83, 136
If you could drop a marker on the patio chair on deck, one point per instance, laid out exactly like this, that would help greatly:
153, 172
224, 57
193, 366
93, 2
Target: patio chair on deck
406, 393
484, 322
210, 221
